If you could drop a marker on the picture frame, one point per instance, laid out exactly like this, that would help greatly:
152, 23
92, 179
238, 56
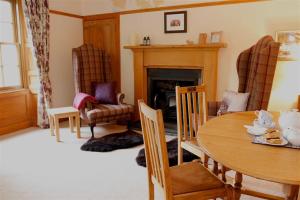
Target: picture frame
202, 38
216, 37
290, 44
175, 22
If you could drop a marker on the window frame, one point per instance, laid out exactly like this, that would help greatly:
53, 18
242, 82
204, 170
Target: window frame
19, 43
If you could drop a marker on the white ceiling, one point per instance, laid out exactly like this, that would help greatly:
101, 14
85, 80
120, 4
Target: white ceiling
69, 6
89, 7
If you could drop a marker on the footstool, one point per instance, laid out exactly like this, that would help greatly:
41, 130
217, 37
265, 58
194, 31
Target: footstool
55, 114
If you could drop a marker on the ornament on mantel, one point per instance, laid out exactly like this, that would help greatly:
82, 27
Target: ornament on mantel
202, 38
146, 41
135, 39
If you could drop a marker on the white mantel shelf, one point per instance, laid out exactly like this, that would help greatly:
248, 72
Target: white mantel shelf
162, 46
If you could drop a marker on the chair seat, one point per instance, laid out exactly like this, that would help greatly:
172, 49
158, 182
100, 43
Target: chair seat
107, 110
192, 177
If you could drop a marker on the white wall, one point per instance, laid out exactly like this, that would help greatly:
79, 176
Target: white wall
242, 26
65, 33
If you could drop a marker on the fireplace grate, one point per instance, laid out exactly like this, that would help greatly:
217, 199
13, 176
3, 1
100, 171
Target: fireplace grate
161, 88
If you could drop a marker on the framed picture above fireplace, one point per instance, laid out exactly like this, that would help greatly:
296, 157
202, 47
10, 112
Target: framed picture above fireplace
175, 22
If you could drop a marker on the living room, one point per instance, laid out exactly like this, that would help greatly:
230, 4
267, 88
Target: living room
205, 42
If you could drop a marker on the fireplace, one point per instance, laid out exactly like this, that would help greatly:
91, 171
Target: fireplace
161, 85
200, 58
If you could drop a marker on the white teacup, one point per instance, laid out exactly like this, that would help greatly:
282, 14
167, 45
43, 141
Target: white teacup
264, 119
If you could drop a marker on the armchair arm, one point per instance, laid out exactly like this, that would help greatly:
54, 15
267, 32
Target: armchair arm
83, 100
120, 98
217, 108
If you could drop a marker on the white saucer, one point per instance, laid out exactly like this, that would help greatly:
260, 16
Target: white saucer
256, 130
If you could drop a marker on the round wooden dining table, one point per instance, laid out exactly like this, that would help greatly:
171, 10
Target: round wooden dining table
226, 141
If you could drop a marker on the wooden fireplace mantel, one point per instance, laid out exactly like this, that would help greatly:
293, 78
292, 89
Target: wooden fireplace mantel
203, 57
162, 46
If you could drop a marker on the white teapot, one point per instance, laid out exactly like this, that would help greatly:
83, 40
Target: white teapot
292, 135
289, 119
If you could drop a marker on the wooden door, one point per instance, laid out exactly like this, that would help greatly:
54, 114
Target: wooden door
103, 31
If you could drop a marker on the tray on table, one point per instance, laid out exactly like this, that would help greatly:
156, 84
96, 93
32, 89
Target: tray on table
261, 140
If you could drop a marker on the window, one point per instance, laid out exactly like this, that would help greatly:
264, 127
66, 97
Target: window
10, 62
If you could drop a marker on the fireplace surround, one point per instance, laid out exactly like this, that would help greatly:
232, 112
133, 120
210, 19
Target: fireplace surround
198, 57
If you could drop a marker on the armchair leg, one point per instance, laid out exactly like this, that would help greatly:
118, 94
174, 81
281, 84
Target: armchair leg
128, 124
92, 125
125, 122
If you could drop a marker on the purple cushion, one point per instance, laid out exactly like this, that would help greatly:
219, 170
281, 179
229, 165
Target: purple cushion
105, 93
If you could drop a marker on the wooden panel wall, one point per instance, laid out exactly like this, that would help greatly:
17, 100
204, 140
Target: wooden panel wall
16, 108
104, 32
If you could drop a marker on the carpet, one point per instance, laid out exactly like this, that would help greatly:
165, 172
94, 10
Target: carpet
113, 142
172, 147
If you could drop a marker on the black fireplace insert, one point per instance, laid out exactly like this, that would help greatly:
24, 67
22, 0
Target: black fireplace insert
161, 88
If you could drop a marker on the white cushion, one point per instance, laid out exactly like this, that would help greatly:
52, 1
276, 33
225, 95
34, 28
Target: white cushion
227, 96
236, 101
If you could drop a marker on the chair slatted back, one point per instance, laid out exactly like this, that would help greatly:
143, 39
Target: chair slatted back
191, 110
155, 146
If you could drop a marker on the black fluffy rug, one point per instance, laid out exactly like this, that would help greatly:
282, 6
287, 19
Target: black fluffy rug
172, 154
114, 141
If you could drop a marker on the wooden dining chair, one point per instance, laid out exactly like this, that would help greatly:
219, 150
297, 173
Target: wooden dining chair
191, 113
183, 182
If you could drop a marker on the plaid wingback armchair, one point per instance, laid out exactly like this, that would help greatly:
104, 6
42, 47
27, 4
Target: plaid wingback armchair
255, 68
92, 65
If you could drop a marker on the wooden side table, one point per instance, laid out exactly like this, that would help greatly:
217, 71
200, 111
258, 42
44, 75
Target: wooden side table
55, 114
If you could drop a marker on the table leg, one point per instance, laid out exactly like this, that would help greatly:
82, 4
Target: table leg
77, 117
238, 185
56, 123
71, 123
51, 125
298, 196
205, 162
216, 168
223, 171
294, 193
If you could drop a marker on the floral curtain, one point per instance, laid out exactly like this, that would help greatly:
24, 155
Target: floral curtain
37, 14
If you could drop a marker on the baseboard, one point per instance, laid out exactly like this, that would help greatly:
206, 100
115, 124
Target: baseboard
15, 127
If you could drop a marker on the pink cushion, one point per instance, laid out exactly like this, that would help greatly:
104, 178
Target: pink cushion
105, 93
82, 98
